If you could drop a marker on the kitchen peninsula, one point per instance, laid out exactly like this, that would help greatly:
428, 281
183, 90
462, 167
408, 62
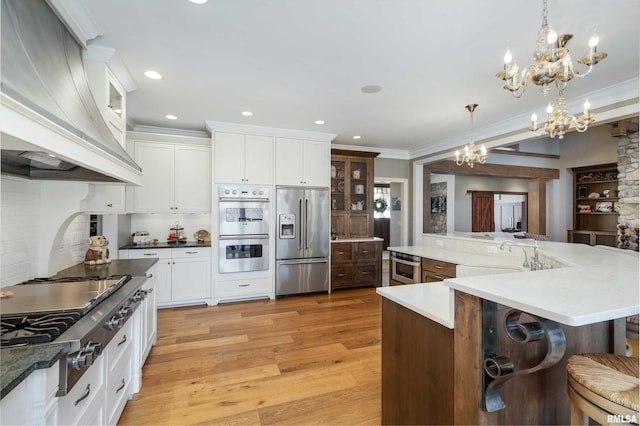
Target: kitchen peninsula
439, 338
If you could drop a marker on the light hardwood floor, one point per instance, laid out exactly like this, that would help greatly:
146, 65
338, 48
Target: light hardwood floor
311, 359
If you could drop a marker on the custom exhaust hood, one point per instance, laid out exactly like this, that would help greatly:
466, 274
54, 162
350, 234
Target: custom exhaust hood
51, 127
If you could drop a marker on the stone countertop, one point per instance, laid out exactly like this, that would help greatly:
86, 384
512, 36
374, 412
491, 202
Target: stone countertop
433, 300
357, 240
17, 363
163, 245
133, 267
587, 285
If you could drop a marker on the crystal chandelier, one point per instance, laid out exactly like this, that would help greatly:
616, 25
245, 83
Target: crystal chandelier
559, 121
470, 155
553, 62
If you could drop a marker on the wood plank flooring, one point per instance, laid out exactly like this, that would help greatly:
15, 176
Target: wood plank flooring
311, 359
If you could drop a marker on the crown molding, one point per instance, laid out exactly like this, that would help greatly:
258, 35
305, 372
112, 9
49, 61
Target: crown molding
75, 16
220, 126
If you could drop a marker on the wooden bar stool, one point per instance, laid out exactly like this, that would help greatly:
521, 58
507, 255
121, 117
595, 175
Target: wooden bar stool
601, 386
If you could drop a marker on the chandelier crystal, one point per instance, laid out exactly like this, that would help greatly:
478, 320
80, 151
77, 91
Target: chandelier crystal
559, 121
470, 154
553, 62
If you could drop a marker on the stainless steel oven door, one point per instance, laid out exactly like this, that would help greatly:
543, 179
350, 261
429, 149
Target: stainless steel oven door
405, 271
244, 217
243, 253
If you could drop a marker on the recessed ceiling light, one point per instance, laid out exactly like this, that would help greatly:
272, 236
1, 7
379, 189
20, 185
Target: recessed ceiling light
171, 117
357, 137
153, 75
319, 122
198, 1
247, 113
371, 88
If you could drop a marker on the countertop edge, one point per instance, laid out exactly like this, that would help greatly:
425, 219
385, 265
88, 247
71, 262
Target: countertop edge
395, 294
12, 376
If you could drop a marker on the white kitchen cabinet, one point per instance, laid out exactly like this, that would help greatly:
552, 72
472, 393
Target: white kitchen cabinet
85, 402
240, 158
302, 162
110, 97
33, 401
183, 274
118, 359
176, 178
105, 198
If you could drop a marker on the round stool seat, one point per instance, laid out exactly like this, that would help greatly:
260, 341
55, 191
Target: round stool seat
604, 384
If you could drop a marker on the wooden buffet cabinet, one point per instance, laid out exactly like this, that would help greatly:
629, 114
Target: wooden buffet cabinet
595, 195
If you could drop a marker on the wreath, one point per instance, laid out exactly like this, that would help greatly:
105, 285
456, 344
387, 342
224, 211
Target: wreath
380, 205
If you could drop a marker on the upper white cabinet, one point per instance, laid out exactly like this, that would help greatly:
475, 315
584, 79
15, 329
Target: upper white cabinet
302, 162
110, 97
240, 158
176, 177
106, 198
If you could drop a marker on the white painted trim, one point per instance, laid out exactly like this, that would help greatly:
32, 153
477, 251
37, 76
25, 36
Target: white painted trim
417, 203
171, 131
404, 221
75, 16
219, 126
115, 63
169, 138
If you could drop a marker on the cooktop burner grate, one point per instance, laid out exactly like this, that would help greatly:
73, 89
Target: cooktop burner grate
19, 330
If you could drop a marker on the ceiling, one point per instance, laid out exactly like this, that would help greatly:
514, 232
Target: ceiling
292, 62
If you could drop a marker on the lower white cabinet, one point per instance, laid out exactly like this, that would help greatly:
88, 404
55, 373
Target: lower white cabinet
243, 286
183, 274
119, 358
33, 402
84, 404
147, 324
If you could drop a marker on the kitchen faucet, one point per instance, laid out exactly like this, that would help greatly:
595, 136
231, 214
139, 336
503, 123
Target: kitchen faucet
536, 264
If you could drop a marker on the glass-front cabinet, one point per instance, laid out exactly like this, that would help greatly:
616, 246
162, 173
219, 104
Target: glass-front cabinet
352, 193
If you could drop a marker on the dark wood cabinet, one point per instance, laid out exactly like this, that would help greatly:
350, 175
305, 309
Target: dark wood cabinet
356, 264
352, 193
595, 199
437, 270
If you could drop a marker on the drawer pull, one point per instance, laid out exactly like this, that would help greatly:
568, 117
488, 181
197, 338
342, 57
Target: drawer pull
365, 251
150, 254
244, 285
438, 276
87, 391
191, 252
438, 266
340, 275
123, 341
121, 386
340, 253
365, 273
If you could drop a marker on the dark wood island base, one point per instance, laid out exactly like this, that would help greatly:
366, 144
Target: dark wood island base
432, 374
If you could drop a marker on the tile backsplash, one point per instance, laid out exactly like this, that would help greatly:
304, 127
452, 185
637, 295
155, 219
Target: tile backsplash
158, 224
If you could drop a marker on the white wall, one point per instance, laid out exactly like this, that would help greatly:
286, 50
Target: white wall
40, 230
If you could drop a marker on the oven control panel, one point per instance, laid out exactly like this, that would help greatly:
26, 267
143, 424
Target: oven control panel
243, 192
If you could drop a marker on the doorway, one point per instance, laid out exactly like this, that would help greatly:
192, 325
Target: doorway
498, 211
391, 211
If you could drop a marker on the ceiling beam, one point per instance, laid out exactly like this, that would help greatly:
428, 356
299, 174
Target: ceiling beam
449, 167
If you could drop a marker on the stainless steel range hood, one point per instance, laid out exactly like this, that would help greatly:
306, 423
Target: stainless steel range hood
47, 107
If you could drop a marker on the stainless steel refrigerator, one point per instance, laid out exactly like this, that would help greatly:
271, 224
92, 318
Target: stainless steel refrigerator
302, 240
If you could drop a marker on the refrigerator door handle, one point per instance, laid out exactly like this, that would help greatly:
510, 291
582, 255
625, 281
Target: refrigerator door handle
302, 227
306, 224
302, 261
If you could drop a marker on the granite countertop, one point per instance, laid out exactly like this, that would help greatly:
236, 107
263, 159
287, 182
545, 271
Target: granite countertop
18, 362
133, 267
165, 244
586, 285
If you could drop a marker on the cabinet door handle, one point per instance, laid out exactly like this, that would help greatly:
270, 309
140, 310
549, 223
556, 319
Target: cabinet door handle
244, 285
123, 341
87, 391
149, 275
109, 205
121, 386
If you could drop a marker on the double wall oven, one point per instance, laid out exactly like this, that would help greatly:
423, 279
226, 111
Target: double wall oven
244, 213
